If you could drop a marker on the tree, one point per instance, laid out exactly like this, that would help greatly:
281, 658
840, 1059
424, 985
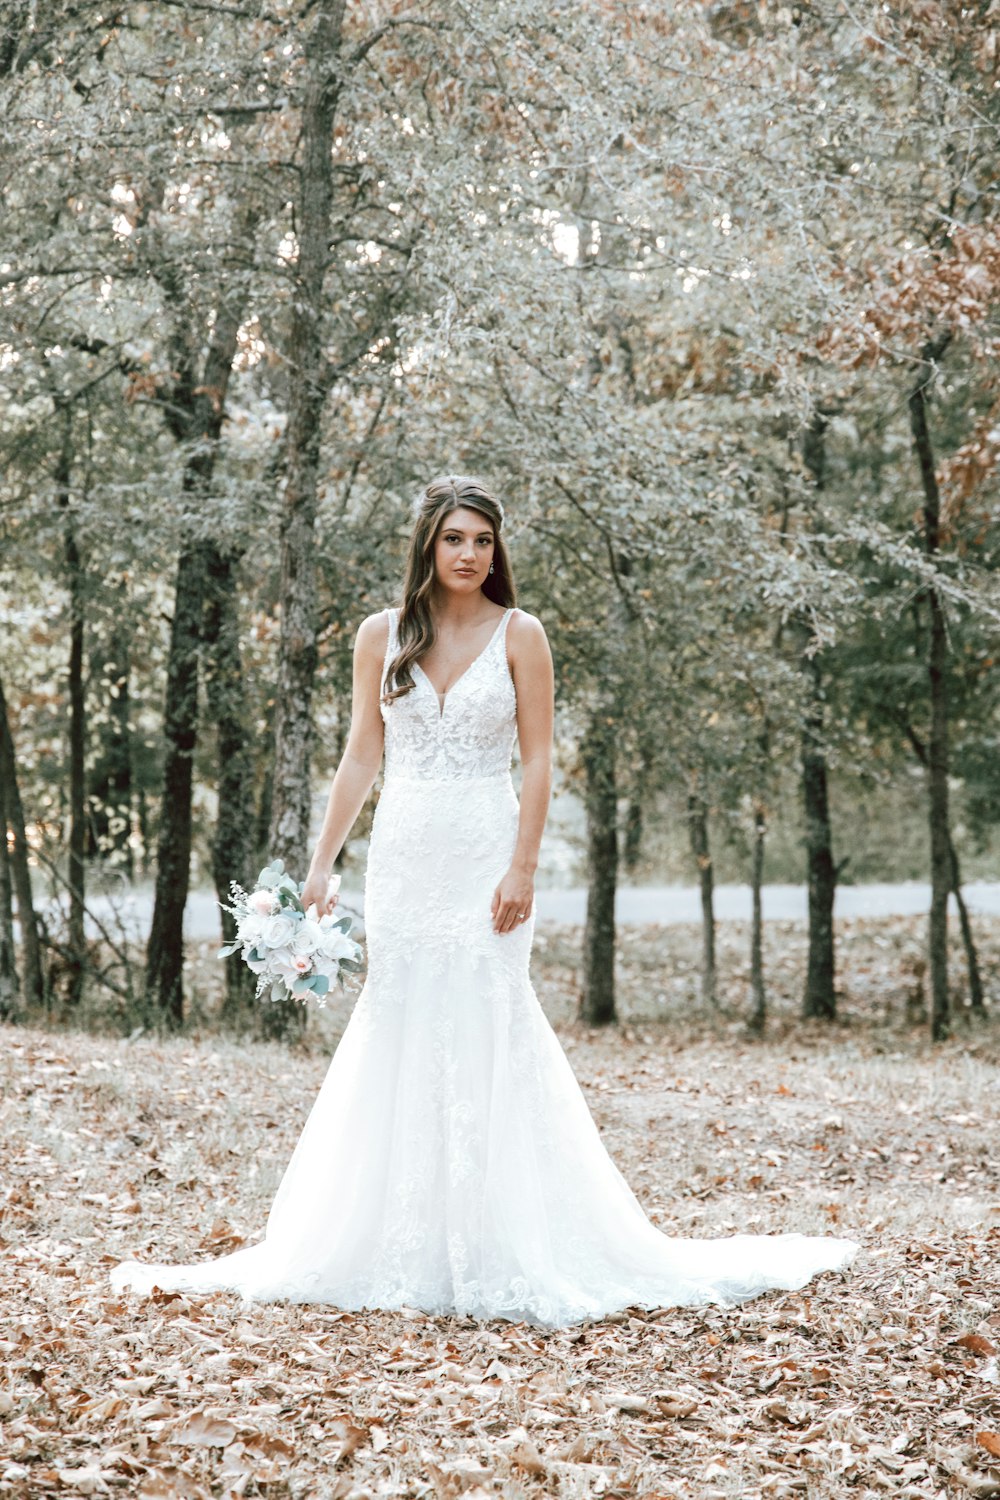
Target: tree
10, 984
937, 749
198, 403
20, 870
308, 388
269, 273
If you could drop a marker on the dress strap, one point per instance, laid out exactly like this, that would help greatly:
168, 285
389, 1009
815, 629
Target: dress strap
502, 632
391, 644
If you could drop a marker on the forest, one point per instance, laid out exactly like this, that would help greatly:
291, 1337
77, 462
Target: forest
709, 293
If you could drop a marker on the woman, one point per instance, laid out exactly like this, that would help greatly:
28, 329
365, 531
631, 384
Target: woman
450, 1162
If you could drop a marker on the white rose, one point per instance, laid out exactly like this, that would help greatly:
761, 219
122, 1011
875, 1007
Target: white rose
308, 938
283, 963
337, 945
278, 931
249, 928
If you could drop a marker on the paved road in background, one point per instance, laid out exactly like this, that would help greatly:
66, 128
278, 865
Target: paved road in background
636, 904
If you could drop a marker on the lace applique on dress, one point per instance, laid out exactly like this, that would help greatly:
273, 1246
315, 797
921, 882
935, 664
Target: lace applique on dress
446, 822
470, 736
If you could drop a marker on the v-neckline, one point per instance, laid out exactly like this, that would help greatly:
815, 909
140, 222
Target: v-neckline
443, 699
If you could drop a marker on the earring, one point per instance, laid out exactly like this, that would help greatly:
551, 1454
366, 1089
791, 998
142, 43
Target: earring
491, 567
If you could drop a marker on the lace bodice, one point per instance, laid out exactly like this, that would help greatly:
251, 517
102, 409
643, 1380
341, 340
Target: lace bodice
472, 735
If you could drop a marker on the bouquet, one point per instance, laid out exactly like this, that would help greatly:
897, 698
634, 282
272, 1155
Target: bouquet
292, 951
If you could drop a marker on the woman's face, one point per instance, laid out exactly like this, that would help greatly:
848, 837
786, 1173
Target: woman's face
463, 550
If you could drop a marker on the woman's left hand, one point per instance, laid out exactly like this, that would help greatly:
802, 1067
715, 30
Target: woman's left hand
512, 901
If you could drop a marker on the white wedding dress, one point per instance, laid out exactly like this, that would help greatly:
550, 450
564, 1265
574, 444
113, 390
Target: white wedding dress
450, 1162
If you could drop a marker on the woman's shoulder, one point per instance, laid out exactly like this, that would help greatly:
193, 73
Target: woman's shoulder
526, 632
373, 632
525, 625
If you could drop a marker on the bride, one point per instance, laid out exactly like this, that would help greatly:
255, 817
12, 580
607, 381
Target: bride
450, 1162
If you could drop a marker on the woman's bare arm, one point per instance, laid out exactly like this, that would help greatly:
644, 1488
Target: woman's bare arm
531, 668
360, 762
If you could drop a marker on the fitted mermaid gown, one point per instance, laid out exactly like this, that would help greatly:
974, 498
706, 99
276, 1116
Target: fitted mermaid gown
450, 1162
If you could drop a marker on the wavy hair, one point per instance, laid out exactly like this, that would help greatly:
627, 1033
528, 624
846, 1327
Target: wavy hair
416, 623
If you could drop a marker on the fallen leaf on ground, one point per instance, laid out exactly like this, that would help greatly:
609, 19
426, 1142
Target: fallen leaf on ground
976, 1343
200, 1430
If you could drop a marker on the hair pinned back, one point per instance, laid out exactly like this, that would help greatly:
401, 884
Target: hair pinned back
416, 624
470, 486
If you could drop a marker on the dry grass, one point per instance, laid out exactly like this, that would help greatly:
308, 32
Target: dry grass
881, 1381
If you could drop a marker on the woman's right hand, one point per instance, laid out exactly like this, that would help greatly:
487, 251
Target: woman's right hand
320, 891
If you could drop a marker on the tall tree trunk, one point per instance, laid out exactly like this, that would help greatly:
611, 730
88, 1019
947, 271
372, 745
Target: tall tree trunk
633, 833
759, 1014
634, 816
290, 790
195, 411
697, 822
76, 948
937, 674
309, 383
31, 948
976, 999
202, 405
820, 997
165, 950
10, 984
233, 845
597, 1001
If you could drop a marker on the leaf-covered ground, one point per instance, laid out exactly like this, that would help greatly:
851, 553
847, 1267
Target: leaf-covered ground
883, 1380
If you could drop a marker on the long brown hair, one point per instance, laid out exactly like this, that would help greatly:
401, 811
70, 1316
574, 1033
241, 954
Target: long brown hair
416, 623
